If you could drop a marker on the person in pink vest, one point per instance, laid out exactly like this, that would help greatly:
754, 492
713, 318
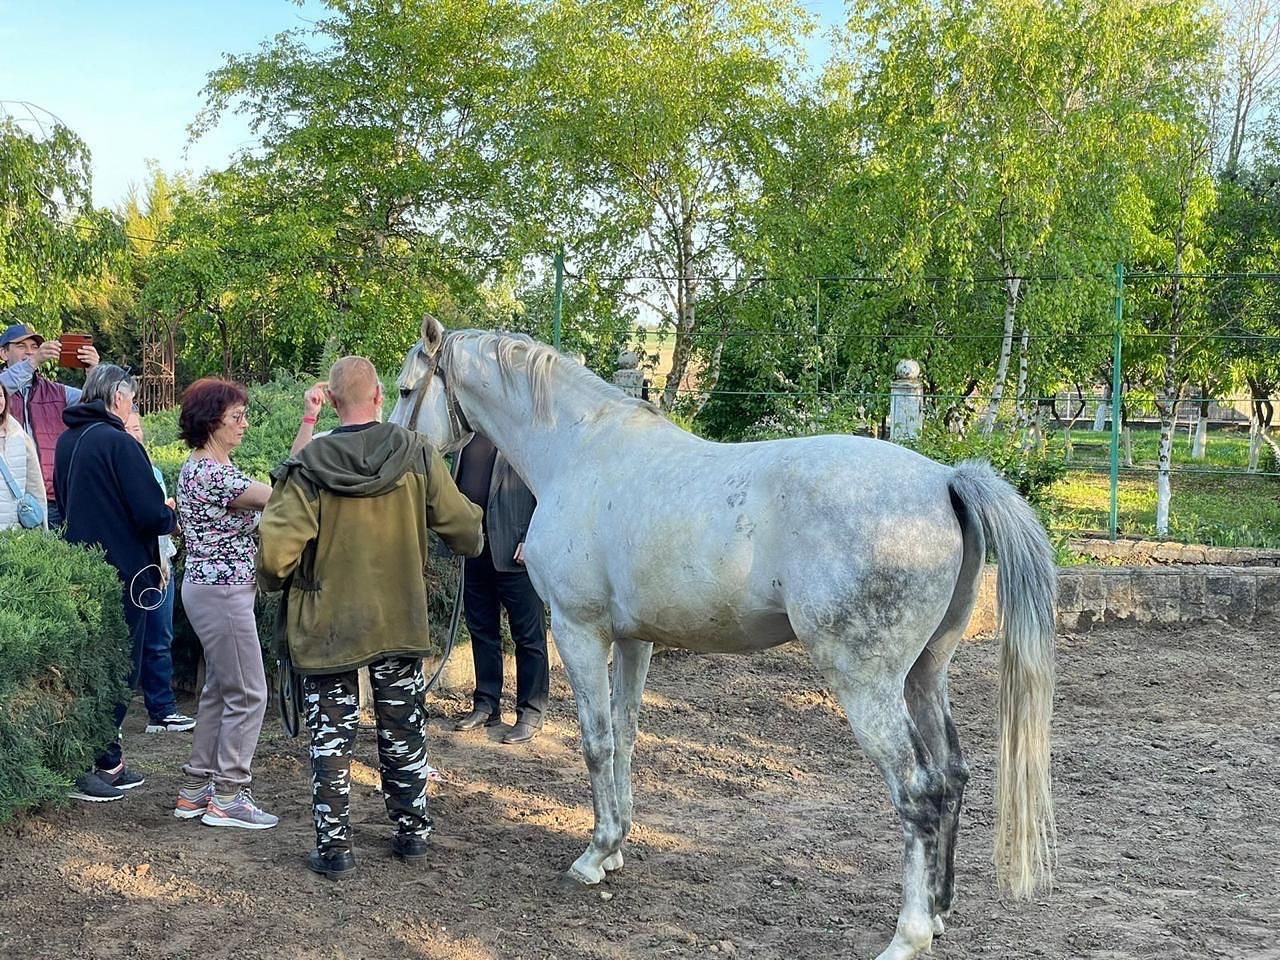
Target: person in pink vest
37, 402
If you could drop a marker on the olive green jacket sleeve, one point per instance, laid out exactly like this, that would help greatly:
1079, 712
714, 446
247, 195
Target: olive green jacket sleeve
289, 522
456, 519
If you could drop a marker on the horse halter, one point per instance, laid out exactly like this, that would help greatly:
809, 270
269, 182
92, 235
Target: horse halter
458, 423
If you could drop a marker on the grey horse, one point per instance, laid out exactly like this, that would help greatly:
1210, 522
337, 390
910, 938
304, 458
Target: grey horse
867, 553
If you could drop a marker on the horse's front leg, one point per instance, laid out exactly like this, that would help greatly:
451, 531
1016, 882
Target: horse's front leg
585, 652
630, 668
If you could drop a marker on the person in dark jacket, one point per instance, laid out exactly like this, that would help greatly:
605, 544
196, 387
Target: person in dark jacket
497, 580
110, 499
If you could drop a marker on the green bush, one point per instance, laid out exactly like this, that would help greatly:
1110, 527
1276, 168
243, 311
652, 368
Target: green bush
63, 663
1030, 473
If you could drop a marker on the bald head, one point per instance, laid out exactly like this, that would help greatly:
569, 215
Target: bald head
355, 390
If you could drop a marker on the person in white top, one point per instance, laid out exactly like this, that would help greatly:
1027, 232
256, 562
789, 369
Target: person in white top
19, 453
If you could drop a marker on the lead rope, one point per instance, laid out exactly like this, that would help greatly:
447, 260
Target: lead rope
455, 615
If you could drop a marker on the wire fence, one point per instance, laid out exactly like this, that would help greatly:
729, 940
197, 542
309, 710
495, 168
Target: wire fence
1087, 371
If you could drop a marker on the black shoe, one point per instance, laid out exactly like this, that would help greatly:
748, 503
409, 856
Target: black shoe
121, 777
479, 717
410, 849
522, 732
334, 864
89, 786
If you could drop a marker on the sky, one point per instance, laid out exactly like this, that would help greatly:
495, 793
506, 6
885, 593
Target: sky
126, 76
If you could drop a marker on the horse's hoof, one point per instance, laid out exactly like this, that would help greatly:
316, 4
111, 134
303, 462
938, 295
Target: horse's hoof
938, 926
613, 862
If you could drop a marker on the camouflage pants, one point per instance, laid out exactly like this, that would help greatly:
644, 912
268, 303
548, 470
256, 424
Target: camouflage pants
332, 704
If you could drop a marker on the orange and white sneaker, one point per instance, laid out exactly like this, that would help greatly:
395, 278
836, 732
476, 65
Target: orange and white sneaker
193, 801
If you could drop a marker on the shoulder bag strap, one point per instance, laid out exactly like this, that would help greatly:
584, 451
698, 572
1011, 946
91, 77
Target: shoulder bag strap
8, 478
66, 513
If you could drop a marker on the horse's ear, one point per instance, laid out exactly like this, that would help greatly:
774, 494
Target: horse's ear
432, 335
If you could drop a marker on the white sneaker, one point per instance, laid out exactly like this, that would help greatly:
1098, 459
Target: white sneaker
174, 723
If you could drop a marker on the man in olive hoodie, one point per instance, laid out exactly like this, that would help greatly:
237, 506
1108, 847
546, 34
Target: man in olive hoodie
346, 532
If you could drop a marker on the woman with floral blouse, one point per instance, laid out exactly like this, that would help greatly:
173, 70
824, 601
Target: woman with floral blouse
218, 511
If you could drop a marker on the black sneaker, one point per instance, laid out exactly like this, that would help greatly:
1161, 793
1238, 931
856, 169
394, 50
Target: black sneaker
175, 722
409, 848
334, 864
91, 787
121, 777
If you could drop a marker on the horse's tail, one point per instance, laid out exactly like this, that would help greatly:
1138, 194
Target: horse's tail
1025, 604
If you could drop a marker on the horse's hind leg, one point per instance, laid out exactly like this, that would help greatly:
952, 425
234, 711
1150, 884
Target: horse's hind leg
926, 694
630, 668
930, 708
887, 734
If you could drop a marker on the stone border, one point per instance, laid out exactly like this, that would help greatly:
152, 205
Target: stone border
1132, 552
1091, 596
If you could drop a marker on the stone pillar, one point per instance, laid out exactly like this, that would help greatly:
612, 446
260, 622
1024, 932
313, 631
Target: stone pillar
629, 377
906, 402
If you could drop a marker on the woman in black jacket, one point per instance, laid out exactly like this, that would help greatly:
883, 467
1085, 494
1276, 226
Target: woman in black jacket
110, 499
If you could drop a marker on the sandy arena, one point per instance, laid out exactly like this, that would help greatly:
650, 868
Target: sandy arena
762, 831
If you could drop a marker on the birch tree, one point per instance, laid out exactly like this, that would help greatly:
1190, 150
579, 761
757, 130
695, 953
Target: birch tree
645, 127
1251, 67
1003, 125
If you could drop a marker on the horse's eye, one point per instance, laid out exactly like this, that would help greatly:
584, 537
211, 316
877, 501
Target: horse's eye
405, 391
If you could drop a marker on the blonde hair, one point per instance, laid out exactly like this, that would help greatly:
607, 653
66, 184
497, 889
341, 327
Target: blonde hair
352, 382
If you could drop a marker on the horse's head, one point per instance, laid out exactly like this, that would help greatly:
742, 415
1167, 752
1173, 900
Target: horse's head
425, 404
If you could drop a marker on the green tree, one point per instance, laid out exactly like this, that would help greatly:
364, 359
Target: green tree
378, 190
107, 303
999, 135
644, 130
50, 234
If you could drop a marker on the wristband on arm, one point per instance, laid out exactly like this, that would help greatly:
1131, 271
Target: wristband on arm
310, 420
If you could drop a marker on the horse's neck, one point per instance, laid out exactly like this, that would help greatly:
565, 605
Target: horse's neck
578, 421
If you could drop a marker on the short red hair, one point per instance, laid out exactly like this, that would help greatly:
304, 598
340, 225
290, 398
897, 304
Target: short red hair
204, 404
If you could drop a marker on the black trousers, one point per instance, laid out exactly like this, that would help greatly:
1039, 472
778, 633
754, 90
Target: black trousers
486, 593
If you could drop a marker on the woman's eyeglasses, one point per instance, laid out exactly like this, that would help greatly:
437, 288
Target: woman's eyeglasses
241, 418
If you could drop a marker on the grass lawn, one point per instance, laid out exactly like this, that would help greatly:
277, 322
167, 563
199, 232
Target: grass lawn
1227, 511
1235, 509
1225, 449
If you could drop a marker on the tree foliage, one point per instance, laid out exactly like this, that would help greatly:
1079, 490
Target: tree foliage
50, 235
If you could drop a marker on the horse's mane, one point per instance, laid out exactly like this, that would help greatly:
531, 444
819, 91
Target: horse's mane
518, 352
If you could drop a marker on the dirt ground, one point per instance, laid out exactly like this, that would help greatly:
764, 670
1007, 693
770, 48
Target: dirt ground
762, 831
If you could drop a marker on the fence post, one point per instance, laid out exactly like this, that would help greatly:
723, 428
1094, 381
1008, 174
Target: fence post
906, 402
555, 331
817, 354
629, 377
1116, 353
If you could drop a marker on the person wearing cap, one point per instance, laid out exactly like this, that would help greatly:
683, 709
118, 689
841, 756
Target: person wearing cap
37, 402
